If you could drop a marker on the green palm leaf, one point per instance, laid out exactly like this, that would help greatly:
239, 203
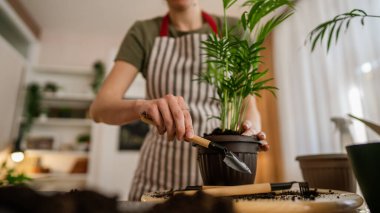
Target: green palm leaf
333, 27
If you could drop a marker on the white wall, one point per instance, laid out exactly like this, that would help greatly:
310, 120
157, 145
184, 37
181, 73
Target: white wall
12, 70
59, 47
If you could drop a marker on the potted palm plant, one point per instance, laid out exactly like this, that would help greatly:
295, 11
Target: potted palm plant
233, 59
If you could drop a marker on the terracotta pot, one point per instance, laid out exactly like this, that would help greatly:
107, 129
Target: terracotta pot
365, 160
215, 172
328, 171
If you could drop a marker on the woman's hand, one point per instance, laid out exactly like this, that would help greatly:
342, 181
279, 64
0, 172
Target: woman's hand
170, 114
250, 131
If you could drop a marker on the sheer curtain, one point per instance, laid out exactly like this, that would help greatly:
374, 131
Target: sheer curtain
313, 87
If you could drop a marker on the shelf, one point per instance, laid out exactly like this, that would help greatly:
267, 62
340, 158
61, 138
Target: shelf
65, 176
56, 152
59, 96
64, 70
74, 122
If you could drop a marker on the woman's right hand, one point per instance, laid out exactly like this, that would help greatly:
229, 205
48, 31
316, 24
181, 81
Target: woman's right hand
170, 114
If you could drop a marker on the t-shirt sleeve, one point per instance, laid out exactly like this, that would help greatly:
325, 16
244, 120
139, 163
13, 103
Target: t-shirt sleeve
131, 49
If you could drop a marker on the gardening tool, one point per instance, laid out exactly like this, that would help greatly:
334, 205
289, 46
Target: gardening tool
230, 158
248, 189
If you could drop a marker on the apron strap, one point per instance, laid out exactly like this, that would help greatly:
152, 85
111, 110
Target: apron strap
164, 30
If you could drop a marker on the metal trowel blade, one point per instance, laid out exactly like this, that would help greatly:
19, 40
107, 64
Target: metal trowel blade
234, 162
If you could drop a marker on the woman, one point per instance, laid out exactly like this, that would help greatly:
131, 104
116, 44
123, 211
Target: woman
166, 50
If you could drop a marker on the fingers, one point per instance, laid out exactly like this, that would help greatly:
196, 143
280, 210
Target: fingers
189, 131
250, 131
166, 116
171, 115
261, 136
153, 113
177, 116
247, 124
264, 146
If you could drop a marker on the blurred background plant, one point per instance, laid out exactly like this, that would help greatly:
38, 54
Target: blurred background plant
32, 105
99, 73
84, 138
9, 176
51, 87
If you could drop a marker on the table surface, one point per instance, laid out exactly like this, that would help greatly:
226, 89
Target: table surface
141, 207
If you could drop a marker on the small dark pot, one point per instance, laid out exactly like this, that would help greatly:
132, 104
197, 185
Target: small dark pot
365, 160
328, 171
216, 173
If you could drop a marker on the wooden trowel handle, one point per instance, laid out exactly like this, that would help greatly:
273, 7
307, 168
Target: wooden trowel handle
200, 141
195, 139
235, 190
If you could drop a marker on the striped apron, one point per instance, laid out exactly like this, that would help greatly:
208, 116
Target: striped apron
174, 65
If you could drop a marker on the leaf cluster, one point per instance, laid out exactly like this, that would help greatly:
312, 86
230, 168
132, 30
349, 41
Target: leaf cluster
99, 74
10, 177
233, 61
334, 26
32, 107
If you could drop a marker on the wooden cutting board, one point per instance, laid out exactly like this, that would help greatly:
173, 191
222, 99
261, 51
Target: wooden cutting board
331, 201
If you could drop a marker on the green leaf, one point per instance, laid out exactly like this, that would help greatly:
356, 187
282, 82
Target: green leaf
330, 37
317, 34
228, 3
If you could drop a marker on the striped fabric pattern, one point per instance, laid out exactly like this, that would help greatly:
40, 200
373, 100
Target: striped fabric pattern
174, 65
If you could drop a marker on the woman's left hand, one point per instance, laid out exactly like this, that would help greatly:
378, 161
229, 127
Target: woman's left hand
250, 131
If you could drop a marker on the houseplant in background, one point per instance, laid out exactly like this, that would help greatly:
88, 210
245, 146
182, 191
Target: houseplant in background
363, 158
233, 60
9, 177
32, 105
50, 88
31, 110
99, 73
83, 142
333, 170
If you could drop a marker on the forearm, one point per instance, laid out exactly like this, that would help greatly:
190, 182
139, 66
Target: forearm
109, 106
115, 112
252, 113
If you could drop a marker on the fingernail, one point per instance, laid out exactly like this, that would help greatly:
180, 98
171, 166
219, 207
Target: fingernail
247, 124
189, 134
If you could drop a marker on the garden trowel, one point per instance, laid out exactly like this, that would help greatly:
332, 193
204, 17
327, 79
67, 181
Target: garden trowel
230, 159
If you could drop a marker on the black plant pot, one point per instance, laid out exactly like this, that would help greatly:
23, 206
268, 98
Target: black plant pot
216, 173
365, 160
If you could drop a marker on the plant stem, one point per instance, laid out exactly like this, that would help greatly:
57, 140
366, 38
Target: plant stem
372, 16
225, 23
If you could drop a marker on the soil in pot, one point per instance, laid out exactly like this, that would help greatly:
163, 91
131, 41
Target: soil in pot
215, 172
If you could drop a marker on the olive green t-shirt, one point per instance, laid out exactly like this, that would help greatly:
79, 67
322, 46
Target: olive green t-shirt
138, 42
